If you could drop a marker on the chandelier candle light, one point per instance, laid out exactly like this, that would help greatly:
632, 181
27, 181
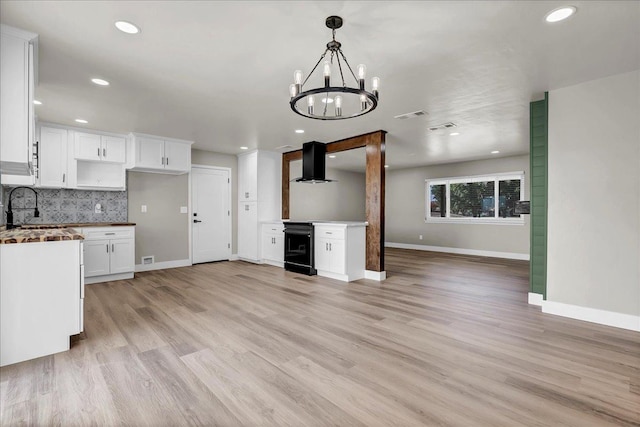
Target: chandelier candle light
348, 102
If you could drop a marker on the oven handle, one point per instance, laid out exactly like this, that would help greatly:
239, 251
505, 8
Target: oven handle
297, 233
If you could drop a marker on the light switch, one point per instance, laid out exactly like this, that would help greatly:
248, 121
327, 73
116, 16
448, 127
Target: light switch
183, 209
143, 208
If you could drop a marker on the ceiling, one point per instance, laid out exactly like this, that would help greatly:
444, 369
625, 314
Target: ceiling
218, 72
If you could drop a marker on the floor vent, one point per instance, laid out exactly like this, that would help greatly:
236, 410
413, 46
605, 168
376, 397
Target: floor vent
411, 115
447, 125
148, 260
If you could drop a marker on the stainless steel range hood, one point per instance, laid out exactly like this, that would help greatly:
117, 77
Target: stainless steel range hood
313, 163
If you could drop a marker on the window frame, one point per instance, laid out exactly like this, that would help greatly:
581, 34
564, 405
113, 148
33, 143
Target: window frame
495, 177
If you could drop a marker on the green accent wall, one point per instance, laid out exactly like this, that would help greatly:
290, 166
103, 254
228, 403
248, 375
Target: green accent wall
538, 155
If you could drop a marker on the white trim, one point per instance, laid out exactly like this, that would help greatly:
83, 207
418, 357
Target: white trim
535, 299
234, 257
472, 220
460, 251
107, 278
593, 315
163, 265
375, 275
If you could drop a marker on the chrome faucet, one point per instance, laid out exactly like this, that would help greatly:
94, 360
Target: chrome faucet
36, 213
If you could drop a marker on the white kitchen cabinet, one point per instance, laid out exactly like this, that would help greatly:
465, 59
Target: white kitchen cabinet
273, 244
52, 158
99, 148
18, 56
340, 251
109, 253
259, 199
160, 155
41, 298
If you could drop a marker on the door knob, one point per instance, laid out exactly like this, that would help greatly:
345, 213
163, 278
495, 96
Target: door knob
195, 221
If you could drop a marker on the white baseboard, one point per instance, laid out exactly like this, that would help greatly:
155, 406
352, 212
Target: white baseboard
234, 257
593, 315
460, 251
162, 265
535, 299
107, 278
375, 275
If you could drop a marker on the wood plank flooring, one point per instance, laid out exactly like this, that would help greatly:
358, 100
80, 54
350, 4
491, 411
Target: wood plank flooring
447, 340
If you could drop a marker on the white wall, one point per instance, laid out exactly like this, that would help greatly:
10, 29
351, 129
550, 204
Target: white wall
593, 251
343, 200
405, 210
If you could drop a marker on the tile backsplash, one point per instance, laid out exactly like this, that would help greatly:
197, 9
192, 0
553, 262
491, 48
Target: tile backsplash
65, 206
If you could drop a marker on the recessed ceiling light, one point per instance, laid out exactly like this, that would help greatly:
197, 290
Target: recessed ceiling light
244, 148
35, 101
327, 100
454, 133
560, 14
83, 121
495, 152
127, 27
299, 130
386, 166
332, 156
100, 82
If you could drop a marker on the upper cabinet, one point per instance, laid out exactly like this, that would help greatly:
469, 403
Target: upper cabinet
149, 153
18, 52
100, 148
52, 170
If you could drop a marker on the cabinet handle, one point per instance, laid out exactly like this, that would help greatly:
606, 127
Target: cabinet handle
113, 247
246, 207
163, 161
109, 234
330, 247
107, 248
246, 195
167, 161
328, 232
98, 151
104, 152
326, 246
64, 176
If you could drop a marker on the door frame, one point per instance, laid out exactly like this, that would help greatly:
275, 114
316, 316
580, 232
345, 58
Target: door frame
190, 209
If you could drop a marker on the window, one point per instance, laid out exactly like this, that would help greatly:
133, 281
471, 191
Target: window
486, 199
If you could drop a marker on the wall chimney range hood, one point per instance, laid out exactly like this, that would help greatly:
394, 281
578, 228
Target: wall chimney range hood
313, 163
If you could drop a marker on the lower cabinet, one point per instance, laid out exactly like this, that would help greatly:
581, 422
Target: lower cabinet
273, 244
340, 251
109, 253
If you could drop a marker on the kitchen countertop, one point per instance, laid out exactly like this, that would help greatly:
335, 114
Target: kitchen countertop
29, 233
323, 222
19, 235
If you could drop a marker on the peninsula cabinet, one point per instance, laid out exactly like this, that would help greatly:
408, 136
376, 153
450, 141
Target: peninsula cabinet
259, 196
340, 251
18, 56
159, 155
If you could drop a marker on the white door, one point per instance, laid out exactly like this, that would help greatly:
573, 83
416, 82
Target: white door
211, 214
53, 157
96, 257
122, 257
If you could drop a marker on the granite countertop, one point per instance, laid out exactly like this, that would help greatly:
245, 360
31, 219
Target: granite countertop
323, 222
18, 235
77, 225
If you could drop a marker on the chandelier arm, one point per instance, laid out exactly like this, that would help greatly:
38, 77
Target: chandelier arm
316, 66
340, 68
347, 62
326, 103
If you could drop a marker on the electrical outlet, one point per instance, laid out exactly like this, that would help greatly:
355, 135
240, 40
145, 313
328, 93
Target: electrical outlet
183, 209
98, 208
143, 208
420, 237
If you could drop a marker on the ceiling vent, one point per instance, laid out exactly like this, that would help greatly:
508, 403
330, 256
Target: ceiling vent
447, 125
411, 115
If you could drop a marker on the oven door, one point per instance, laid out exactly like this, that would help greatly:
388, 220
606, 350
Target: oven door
297, 247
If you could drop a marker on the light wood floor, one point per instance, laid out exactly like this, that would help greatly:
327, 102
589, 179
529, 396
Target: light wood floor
446, 340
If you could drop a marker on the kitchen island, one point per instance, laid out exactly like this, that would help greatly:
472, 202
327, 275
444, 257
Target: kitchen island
41, 292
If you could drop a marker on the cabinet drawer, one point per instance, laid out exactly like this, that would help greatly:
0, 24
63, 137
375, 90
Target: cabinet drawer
329, 232
273, 228
94, 233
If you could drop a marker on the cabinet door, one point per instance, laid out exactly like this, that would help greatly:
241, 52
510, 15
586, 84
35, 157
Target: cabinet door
113, 149
53, 157
177, 156
87, 146
337, 255
248, 230
122, 257
96, 257
149, 153
278, 248
248, 177
330, 255
322, 260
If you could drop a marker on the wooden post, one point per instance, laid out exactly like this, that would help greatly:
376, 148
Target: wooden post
374, 144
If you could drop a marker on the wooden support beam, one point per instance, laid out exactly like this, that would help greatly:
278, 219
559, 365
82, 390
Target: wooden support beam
374, 144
